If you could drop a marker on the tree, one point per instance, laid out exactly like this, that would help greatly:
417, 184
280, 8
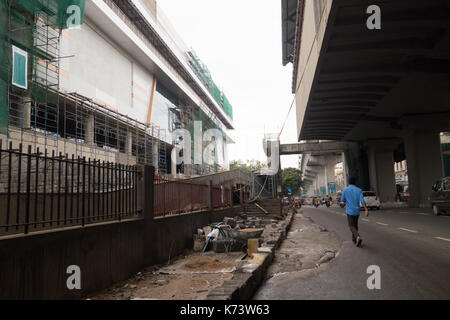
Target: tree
249, 166
290, 178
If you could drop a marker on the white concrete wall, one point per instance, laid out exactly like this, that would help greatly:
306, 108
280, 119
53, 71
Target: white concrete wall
109, 72
97, 70
141, 93
100, 70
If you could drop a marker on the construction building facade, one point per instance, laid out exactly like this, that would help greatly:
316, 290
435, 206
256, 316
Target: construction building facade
108, 80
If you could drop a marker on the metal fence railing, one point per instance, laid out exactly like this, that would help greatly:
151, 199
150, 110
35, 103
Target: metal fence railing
221, 196
184, 196
175, 197
39, 191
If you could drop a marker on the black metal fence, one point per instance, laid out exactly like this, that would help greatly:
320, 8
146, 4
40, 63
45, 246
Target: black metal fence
39, 191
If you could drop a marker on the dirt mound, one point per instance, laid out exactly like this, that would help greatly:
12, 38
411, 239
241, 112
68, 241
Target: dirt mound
208, 263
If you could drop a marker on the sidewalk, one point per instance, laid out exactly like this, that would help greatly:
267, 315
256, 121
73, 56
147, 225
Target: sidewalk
307, 251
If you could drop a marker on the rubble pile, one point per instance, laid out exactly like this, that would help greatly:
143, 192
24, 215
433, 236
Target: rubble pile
232, 233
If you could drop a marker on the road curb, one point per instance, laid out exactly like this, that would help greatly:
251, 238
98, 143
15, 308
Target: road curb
247, 279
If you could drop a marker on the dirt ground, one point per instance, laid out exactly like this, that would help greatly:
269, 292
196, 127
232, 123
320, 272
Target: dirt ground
190, 277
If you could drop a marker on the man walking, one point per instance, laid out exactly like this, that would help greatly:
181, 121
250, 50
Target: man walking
351, 197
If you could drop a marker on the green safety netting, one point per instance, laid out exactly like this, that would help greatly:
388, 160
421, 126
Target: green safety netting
58, 13
34, 26
4, 70
207, 123
205, 76
227, 107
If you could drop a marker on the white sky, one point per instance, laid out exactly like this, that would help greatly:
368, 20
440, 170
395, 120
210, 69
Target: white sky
240, 42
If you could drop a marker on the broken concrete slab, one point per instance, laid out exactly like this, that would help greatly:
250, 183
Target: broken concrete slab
247, 279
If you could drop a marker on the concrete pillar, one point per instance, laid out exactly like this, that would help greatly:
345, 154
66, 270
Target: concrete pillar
329, 173
226, 161
381, 168
89, 133
26, 112
26, 116
129, 144
357, 164
173, 163
325, 177
321, 179
316, 185
344, 170
155, 155
424, 161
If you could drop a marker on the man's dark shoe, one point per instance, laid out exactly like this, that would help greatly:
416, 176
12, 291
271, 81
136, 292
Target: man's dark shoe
358, 241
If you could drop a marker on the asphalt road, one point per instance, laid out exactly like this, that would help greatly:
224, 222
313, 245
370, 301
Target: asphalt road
411, 247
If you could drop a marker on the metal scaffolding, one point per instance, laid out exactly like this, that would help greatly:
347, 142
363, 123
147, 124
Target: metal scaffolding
41, 116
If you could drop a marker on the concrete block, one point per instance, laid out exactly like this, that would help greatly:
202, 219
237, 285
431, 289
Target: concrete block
250, 267
199, 242
265, 250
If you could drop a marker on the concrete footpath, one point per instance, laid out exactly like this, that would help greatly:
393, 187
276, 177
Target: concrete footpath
307, 250
249, 276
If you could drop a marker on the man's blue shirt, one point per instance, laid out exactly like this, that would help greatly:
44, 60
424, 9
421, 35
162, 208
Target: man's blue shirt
352, 196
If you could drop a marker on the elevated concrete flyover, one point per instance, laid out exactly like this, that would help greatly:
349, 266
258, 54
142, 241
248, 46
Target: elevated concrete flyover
318, 164
313, 147
384, 89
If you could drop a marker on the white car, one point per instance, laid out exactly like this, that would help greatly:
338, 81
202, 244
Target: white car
371, 200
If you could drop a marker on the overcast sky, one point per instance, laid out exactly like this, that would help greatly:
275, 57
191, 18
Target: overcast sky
240, 42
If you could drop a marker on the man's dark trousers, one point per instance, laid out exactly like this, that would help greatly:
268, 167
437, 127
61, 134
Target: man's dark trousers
353, 224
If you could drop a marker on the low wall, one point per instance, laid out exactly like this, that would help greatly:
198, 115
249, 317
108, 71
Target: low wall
172, 235
34, 266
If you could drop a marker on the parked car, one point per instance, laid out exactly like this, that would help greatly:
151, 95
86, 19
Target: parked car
440, 196
371, 199
405, 196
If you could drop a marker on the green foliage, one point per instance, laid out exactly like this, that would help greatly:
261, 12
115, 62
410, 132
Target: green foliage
290, 178
249, 166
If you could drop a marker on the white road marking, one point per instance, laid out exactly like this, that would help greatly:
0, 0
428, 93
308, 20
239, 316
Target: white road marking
403, 211
409, 230
383, 224
440, 238
424, 214
365, 220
